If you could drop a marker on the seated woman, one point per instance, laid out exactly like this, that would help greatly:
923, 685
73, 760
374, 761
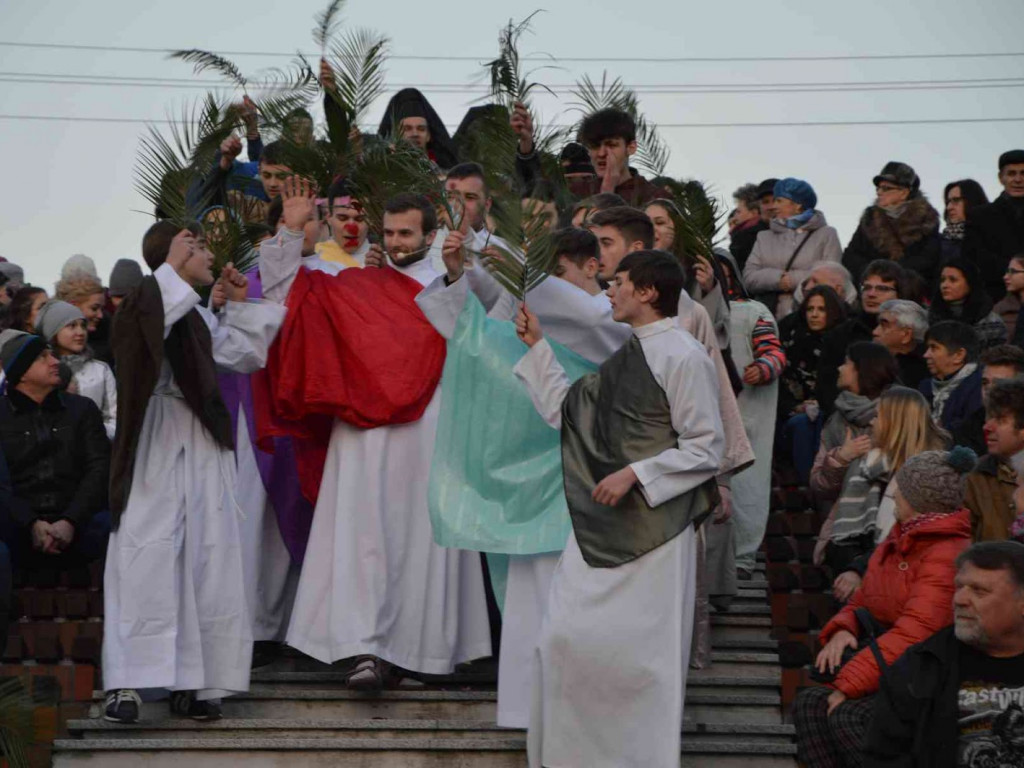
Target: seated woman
908, 591
961, 296
861, 473
802, 334
868, 371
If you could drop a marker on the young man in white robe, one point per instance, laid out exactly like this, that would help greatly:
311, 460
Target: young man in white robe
620, 614
174, 597
374, 585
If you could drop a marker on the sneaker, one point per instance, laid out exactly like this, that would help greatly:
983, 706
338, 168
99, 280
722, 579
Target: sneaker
122, 706
185, 704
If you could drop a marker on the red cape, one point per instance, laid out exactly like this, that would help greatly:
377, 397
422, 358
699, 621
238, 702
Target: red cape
354, 347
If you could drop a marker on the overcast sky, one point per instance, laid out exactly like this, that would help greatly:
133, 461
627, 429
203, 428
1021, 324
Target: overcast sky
68, 185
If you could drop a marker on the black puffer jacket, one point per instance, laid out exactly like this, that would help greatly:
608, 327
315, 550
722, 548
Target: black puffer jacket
58, 455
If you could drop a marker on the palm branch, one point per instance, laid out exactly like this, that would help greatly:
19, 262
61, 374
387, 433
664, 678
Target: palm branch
205, 60
509, 84
701, 219
17, 725
652, 153
358, 60
326, 23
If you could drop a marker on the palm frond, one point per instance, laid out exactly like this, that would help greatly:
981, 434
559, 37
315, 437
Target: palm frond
229, 237
509, 83
17, 727
358, 60
326, 23
204, 60
701, 219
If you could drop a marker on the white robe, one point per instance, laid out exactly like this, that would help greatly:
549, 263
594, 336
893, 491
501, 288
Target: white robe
373, 581
623, 634
583, 323
174, 596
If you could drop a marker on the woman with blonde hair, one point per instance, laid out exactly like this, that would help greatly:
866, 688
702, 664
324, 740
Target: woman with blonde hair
86, 293
861, 473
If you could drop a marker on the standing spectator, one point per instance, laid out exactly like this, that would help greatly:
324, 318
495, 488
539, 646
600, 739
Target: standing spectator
882, 281
125, 277
908, 591
1009, 306
991, 485
749, 223
900, 226
959, 197
901, 329
62, 326
995, 232
954, 389
802, 334
6, 571
24, 308
954, 699
766, 199
784, 255
961, 296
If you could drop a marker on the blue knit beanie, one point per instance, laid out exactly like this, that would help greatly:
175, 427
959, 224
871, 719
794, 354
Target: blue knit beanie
797, 190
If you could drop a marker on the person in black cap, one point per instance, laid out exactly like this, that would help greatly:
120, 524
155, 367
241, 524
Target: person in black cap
410, 114
766, 199
749, 222
995, 232
901, 225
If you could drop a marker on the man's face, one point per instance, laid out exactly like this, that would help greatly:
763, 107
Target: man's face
469, 195
874, 292
546, 213
404, 239
44, 373
744, 214
888, 194
273, 178
198, 270
1012, 179
767, 208
990, 374
613, 153
348, 224
892, 336
300, 130
627, 301
613, 249
415, 131
1002, 436
988, 608
941, 362
582, 277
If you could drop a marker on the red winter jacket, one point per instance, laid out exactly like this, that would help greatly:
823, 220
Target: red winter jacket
908, 588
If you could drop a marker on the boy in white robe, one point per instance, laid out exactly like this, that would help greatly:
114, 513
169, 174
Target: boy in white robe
174, 598
619, 621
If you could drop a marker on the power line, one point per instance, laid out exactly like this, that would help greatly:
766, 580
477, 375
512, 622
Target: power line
590, 59
810, 123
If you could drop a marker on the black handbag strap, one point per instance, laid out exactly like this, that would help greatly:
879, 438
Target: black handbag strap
797, 251
870, 626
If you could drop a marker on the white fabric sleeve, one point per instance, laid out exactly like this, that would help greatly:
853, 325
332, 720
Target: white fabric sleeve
486, 288
109, 409
177, 295
545, 380
442, 304
280, 260
693, 399
577, 320
243, 333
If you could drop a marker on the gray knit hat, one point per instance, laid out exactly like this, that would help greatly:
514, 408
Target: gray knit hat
936, 481
54, 315
124, 277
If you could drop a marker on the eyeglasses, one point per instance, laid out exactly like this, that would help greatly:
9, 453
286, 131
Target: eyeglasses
954, 200
876, 288
886, 188
1012, 271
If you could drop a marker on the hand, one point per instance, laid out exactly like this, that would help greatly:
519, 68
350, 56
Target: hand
786, 283
355, 140
453, 254
522, 124
834, 700
235, 284
611, 490
831, 656
250, 117
608, 179
375, 256
705, 275
229, 150
41, 536
299, 206
854, 447
218, 297
528, 326
181, 250
723, 512
62, 533
752, 375
326, 75
845, 585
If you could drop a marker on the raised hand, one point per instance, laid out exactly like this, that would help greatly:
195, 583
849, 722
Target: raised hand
375, 256
522, 124
230, 148
608, 178
705, 275
218, 296
182, 246
298, 204
327, 75
251, 118
528, 326
235, 284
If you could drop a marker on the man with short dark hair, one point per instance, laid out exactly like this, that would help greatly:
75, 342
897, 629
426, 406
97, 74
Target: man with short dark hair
955, 700
954, 388
990, 487
620, 231
577, 251
748, 223
347, 224
995, 231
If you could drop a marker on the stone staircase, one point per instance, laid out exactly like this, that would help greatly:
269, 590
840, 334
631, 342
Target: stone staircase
298, 713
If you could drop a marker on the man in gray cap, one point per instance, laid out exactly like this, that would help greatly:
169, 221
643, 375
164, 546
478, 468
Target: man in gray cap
124, 278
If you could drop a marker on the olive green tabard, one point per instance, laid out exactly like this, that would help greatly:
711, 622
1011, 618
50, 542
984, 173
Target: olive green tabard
611, 419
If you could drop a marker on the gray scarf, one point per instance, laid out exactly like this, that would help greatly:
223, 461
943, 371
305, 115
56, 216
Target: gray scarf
943, 388
895, 211
864, 486
855, 411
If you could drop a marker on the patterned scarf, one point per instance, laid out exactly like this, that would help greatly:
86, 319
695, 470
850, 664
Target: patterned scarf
955, 231
863, 488
917, 521
943, 388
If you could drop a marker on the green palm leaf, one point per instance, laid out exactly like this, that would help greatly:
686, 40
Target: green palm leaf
206, 60
701, 220
326, 23
358, 60
17, 727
